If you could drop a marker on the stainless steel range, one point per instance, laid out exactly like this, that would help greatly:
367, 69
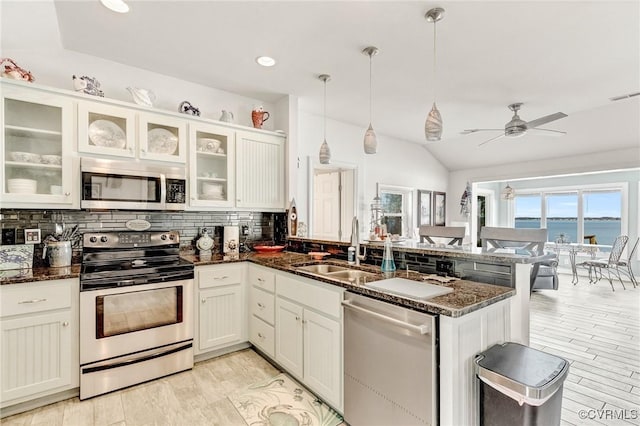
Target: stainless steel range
136, 302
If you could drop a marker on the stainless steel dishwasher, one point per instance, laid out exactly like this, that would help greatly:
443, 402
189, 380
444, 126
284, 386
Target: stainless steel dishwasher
390, 364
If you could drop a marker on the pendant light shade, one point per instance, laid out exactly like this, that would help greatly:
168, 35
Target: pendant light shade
325, 152
433, 124
370, 139
508, 193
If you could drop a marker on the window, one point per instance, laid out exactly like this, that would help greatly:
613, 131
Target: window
397, 209
528, 211
588, 215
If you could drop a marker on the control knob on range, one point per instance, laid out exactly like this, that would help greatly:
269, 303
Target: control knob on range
163, 237
93, 239
103, 239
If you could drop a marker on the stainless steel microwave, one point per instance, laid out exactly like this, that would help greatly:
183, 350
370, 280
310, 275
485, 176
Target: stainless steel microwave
130, 185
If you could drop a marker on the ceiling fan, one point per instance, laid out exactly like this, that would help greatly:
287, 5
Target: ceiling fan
518, 127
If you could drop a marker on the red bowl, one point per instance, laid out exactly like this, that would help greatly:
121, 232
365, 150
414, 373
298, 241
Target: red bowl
268, 249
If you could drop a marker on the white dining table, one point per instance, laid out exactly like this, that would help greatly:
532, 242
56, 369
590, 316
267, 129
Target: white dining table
573, 249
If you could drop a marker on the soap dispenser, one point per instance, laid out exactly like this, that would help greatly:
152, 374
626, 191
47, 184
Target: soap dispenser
388, 265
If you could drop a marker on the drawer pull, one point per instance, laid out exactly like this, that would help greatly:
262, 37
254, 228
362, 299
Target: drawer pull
261, 280
224, 277
260, 305
65, 324
32, 301
260, 335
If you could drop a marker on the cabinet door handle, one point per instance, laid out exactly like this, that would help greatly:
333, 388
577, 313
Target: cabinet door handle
304, 321
260, 335
131, 150
224, 277
260, 305
65, 324
32, 301
297, 318
261, 280
67, 194
203, 300
144, 151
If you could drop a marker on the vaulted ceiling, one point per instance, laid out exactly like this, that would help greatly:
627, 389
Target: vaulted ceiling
569, 56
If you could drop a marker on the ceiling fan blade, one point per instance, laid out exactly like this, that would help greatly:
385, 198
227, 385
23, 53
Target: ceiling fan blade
492, 139
469, 131
546, 132
546, 119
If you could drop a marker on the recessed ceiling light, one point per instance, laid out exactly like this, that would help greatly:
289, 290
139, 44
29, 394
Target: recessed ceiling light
116, 5
265, 61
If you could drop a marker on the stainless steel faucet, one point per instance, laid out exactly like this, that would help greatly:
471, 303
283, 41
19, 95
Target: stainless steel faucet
355, 240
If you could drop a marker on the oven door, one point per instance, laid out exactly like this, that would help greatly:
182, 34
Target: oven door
120, 321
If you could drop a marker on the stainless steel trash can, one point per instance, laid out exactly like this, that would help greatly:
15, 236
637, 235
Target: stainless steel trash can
520, 385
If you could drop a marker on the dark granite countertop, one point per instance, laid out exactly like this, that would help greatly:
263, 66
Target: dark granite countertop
461, 252
467, 296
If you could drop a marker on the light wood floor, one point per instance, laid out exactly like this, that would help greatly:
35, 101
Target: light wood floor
195, 397
598, 332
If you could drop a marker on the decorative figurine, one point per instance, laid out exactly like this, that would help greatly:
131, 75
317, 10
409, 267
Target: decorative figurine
205, 243
88, 85
259, 116
186, 108
226, 116
12, 70
142, 96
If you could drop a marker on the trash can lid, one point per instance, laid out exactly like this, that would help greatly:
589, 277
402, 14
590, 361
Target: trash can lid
527, 371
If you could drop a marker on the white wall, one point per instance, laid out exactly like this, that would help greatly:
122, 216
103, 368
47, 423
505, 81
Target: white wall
397, 162
29, 35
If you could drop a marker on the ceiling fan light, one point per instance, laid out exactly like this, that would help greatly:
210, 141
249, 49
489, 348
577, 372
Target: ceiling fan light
433, 125
370, 141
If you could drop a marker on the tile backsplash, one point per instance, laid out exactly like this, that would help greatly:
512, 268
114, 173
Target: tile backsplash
262, 227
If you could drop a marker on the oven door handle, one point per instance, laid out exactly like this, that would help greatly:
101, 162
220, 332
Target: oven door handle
163, 190
107, 365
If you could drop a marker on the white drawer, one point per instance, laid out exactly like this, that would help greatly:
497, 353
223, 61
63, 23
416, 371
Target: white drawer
262, 278
324, 298
219, 275
35, 297
262, 335
262, 304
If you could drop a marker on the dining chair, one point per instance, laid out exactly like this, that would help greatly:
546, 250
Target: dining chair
624, 265
456, 233
596, 266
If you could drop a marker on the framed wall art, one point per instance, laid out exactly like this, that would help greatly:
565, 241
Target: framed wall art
439, 208
424, 207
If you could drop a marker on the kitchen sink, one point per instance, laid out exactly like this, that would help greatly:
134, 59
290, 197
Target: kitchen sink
351, 275
336, 272
323, 269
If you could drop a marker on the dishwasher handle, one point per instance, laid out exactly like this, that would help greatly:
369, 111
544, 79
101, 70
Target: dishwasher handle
421, 329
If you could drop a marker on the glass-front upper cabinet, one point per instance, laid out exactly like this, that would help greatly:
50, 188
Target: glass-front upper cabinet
162, 138
36, 148
106, 129
211, 166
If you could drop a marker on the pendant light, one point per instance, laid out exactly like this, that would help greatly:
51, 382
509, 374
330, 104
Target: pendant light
370, 139
325, 152
508, 193
433, 124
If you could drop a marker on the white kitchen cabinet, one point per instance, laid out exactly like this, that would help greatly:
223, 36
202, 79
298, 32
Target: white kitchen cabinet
37, 148
211, 166
309, 334
260, 171
106, 129
162, 138
39, 341
262, 285
220, 307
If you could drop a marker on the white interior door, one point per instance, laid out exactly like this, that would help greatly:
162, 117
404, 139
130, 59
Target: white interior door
326, 206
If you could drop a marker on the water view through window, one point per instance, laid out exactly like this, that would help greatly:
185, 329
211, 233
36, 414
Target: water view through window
601, 215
